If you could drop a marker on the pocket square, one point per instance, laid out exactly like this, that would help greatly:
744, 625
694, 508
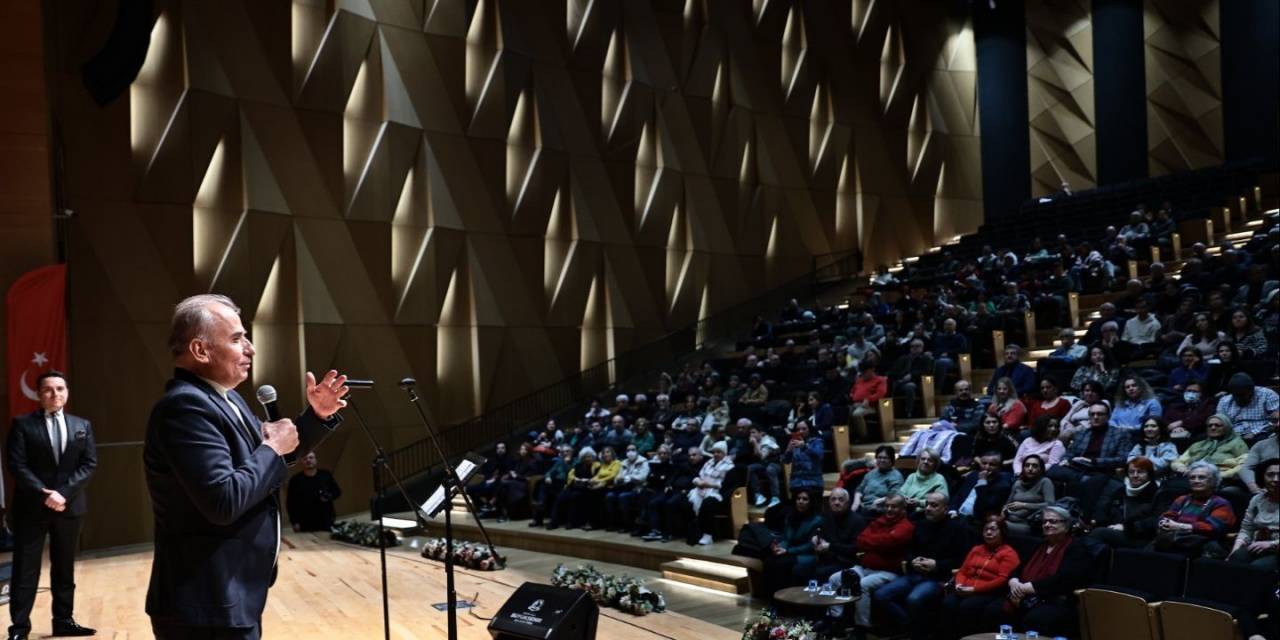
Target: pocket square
81, 435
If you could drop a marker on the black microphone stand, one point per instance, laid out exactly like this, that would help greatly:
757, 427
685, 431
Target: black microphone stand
451, 484
380, 464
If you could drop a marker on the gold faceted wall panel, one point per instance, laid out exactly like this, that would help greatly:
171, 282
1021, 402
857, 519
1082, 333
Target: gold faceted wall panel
486, 195
1184, 85
1060, 101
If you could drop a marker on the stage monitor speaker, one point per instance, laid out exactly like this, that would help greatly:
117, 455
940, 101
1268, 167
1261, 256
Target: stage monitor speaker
546, 613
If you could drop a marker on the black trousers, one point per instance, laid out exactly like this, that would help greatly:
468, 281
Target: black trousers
164, 631
29, 533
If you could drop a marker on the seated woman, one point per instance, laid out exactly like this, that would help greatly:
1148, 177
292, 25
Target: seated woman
1229, 363
1196, 523
1101, 368
1221, 448
705, 496
546, 490
1129, 518
1051, 402
991, 436
1043, 443
979, 582
575, 489
1030, 493
1155, 446
924, 480
1007, 407
878, 484
588, 508
514, 489
1042, 591
1134, 403
1191, 368
1259, 536
792, 556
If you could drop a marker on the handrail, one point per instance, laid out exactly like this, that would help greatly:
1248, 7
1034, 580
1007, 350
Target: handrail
578, 389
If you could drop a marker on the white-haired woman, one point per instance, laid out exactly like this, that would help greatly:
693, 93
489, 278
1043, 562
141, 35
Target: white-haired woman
705, 494
1198, 521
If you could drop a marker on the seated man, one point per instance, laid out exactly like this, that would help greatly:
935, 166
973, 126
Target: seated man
1266, 449
948, 345
764, 473
882, 544
938, 545
1249, 407
628, 484
1069, 354
982, 491
964, 410
668, 501
906, 373
834, 543
1024, 377
868, 389
1141, 336
1101, 449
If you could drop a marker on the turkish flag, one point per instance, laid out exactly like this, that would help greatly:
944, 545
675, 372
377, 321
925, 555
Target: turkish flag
37, 333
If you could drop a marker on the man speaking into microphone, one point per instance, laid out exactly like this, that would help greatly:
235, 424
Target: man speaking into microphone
214, 471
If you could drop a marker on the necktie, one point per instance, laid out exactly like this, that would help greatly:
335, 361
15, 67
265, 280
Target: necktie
56, 438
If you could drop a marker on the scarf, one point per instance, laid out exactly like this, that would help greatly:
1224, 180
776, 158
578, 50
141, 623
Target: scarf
1132, 491
1043, 563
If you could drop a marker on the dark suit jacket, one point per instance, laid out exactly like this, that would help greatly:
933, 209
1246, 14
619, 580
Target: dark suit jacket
991, 496
31, 460
213, 490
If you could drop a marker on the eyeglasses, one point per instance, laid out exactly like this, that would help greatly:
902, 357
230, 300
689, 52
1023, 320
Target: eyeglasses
1053, 521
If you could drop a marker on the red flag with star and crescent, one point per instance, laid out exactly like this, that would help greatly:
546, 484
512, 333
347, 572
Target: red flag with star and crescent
37, 333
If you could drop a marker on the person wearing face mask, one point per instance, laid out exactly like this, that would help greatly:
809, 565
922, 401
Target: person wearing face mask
626, 486
1259, 536
938, 545
1029, 494
1155, 446
1127, 514
1187, 416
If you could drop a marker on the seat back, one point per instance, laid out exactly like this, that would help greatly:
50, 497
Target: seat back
1112, 614
1162, 575
738, 508
840, 444
1188, 621
1240, 585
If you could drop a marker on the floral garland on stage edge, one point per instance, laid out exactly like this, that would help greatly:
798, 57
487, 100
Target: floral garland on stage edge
362, 533
624, 593
770, 626
466, 554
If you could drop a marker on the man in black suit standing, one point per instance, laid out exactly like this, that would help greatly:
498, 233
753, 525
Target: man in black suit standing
52, 456
214, 472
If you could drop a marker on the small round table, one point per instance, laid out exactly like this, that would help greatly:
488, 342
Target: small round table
806, 604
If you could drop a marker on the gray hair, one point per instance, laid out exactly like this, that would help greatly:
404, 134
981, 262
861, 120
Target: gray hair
1215, 476
932, 453
838, 491
192, 319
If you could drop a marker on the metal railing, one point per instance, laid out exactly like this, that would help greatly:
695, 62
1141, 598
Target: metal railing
697, 339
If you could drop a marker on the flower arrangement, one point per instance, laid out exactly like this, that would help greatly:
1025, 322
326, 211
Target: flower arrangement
770, 626
362, 533
624, 593
466, 554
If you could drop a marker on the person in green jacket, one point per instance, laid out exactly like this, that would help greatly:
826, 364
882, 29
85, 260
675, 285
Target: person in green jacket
1222, 448
792, 558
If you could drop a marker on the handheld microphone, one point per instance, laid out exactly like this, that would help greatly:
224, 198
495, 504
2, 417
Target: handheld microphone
267, 396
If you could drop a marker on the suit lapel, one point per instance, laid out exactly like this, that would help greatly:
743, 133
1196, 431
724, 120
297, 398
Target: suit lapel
250, 420
230, 417
40, 423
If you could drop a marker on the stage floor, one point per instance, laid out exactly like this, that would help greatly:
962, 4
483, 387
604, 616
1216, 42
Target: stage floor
332, 590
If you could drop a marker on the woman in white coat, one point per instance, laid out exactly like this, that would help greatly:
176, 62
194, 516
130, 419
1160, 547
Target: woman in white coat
705, 495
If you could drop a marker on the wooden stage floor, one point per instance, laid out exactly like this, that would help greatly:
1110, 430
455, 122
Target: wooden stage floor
332, 590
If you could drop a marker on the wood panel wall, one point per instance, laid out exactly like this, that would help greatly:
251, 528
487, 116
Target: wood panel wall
486, 195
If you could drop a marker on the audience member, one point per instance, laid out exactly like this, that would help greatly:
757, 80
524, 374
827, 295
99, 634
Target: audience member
879, 483
765, 471
1191, 368
485, 493
1259, 535
980, 581
1100, 449
1041, 592
1141, 336
1126, 515
1222, 447
705, 495
804, 453
983, 490
992, 437
1077, 418
1155, 446
1196, 523
1226, 368
883, 543
964, 410
575, 490
834, 543
924, 480
1248, 406
792, 557
1022, 376
1050, 403
938, 546
906, 373
1043, 443
310, 498
666, 509
626, 487
547, 490
1246, 335
1202, 337
1187, 414
1006, 406
1100, 368
1030, 493
1135, 402
867, 391
1264, 449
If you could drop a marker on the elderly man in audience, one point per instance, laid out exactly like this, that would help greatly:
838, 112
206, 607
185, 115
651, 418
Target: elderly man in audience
980, 581
1023, 377
834, 542
1259, 536
1126, 514
964, 410
1197, 522
666, 509
924, 480
1041, 592
983, 490
1265, 449
883, 544
1249, 407
705, 496
938, 545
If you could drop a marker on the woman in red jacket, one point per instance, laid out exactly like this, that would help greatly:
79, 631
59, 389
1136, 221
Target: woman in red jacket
980, 581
